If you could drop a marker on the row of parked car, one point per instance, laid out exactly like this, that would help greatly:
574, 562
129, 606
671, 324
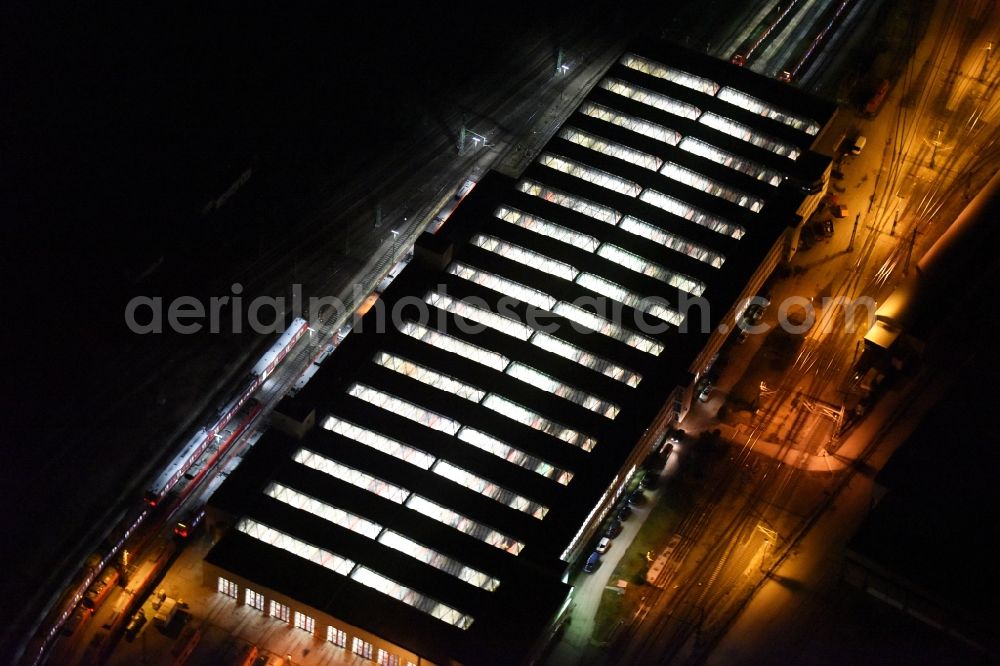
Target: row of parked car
614, 528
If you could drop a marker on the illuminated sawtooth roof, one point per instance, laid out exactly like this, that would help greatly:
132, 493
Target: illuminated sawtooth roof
457, 454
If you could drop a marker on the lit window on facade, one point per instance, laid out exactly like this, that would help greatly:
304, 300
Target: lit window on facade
500, 449
425, 375
552, 385
362, 648
634, 262
735, 162
538, 422
403, 408
710, 186
473, 528
546, 228
280, 611
616, 292
411, 597
407, 546
639, 125
379, 442
336, 636
653, 68
253, 599
228, 588
478, 315
610, 148
744, 133
386, 658
586, 359
696, 215
650, 98
290, 544
355, 477
524, 256
580, 205
320, 509
607, 327
758, 106
452, 344
635, 226
502, 285
304, 622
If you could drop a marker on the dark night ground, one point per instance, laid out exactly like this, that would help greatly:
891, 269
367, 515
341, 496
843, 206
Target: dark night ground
119, 126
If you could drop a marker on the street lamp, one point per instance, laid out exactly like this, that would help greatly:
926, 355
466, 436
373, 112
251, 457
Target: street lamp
395, 239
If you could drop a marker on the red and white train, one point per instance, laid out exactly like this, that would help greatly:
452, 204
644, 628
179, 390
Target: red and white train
201, 440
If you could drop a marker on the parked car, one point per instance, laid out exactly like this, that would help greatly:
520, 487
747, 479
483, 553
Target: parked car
705, 393
624, 512
603, 545
614, 529
592, 562
650, 479
636, 497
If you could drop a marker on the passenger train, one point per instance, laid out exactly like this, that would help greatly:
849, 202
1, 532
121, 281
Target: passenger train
201, 440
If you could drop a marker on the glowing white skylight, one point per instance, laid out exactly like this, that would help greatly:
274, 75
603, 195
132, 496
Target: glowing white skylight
611, 149
578, 204
378, 442
744, 133
350, 475
546, 228
552, 385
638, 227
653, 68
644, 127
439, 561
452, 344
750, 103
591, 175
650, 98
478, 315
713, 187
524, 256
696, 215
403, 408
607, 327
327, 512
411, 597
585, 358
492, 445
465, 525
430, 377
290, 544
534, 420
616, 292
489, 489
502, 285
741, 164
634, 262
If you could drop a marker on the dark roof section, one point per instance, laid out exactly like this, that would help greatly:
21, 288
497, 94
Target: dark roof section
588, 367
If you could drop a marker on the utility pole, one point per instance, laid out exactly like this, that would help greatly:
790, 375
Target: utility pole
559, 60
895, 221
854, 232
986, 62
909, 251
378, 216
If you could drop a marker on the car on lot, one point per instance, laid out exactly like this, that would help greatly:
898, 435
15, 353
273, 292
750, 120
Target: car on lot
705, 393
614, 529
592, 562
624, 512
135, 624
650, 479
603, 545
636, 497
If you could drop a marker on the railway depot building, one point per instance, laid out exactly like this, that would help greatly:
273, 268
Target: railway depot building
484, 419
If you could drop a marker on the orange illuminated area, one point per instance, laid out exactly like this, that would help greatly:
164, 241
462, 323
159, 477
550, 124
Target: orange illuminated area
367, 304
